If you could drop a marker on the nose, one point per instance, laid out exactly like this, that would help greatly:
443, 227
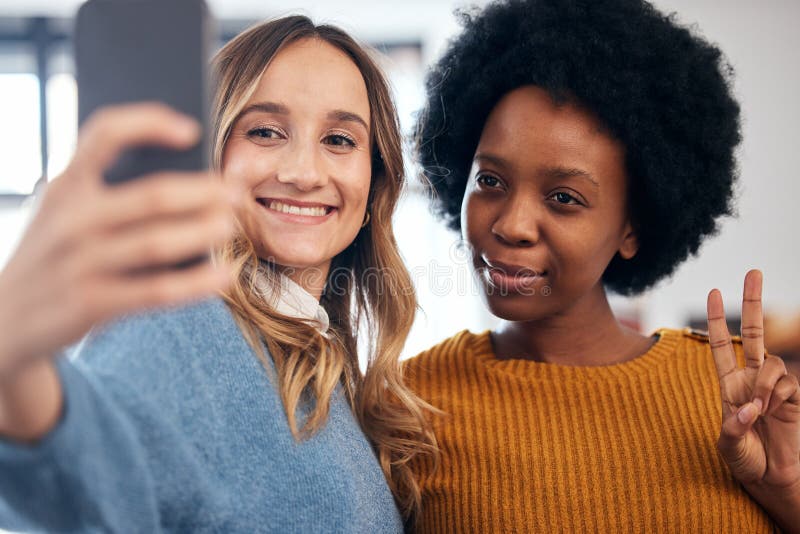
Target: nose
302, 167
518, 223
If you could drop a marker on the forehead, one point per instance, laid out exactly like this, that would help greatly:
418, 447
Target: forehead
313, 75
526, 124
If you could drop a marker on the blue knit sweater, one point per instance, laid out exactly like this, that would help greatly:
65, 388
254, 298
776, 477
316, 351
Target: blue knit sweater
171, 423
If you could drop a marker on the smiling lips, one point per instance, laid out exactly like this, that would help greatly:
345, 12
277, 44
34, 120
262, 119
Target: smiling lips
510, 277
297, 211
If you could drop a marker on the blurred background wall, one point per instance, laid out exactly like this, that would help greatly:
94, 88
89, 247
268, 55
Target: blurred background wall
38, 130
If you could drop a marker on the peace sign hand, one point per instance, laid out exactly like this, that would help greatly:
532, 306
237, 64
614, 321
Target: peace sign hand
760, 434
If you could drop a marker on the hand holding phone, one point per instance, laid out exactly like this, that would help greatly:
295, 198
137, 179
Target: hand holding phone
73, 267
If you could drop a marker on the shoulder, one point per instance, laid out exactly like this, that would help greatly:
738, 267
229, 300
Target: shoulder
698, 336
693, 340
196, 316
446, 353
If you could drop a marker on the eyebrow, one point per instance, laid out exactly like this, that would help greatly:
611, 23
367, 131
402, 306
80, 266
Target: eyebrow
554, 172
347, 116
265, 107
567, 172
280, 109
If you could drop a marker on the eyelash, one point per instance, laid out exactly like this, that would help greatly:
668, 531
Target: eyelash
348, 140
258, 131
575, 201
481, 178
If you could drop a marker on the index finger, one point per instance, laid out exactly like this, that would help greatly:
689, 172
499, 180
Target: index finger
718, 335
161, 195
110, 130
753, 320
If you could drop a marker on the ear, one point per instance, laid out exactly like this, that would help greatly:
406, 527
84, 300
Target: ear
630, 243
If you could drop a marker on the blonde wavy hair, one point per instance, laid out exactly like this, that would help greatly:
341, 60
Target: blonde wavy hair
368, 283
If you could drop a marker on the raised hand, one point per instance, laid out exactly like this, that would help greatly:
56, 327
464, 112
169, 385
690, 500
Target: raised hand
84, 258
760, 434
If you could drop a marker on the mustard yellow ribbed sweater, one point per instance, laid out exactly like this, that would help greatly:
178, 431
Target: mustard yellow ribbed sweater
537, 447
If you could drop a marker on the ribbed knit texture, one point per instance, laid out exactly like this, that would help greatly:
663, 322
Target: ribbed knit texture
538, 447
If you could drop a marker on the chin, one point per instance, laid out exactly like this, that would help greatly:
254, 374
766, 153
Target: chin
296, 258
518, 308
298, 262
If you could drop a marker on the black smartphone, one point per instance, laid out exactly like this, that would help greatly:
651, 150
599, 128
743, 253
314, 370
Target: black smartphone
146, 50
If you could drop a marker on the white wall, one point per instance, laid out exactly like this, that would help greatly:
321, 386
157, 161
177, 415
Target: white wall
762, 43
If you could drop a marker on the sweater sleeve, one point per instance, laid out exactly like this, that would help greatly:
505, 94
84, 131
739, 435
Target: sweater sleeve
116, 461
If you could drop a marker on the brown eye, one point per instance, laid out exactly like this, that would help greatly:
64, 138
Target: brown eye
339, 140
264, 133
565, 198
487, 180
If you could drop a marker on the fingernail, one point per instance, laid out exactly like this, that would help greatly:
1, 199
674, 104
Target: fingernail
747, 413
759, 405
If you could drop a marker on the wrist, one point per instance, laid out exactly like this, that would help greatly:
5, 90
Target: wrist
31, 404
9, 331
793, 494
788, 493
21, 340
782, 503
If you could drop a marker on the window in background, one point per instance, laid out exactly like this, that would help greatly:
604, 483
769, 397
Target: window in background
20, 135
62, 111
20, 146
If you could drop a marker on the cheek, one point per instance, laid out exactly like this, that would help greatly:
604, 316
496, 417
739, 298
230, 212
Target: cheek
234, 174
586, 255
475, 218
354, 184
243, 170
245, 166
465, 216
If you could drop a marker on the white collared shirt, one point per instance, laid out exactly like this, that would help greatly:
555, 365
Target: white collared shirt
292, 300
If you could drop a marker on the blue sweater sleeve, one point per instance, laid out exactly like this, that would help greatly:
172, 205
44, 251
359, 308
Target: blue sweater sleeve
89, 473
116, 461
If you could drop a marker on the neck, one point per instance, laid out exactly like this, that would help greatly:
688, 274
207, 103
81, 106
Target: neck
312, 279
587, 334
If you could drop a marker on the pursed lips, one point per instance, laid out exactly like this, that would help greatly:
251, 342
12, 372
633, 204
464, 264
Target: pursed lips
510, 269
511, 277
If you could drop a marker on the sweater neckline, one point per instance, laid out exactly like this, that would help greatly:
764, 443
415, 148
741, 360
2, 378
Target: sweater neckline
664, 346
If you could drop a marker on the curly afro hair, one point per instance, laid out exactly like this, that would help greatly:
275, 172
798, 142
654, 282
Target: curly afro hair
658, 88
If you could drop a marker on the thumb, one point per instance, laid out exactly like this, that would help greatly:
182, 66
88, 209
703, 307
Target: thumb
734, 444
109, 131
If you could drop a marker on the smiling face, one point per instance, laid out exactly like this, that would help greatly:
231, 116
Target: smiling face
545, 207
300, 153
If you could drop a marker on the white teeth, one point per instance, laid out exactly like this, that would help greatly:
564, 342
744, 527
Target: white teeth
315, 211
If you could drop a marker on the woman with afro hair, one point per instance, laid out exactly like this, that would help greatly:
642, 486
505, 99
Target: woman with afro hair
581, 147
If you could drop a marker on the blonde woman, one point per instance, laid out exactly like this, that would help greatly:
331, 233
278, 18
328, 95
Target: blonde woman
238, 414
